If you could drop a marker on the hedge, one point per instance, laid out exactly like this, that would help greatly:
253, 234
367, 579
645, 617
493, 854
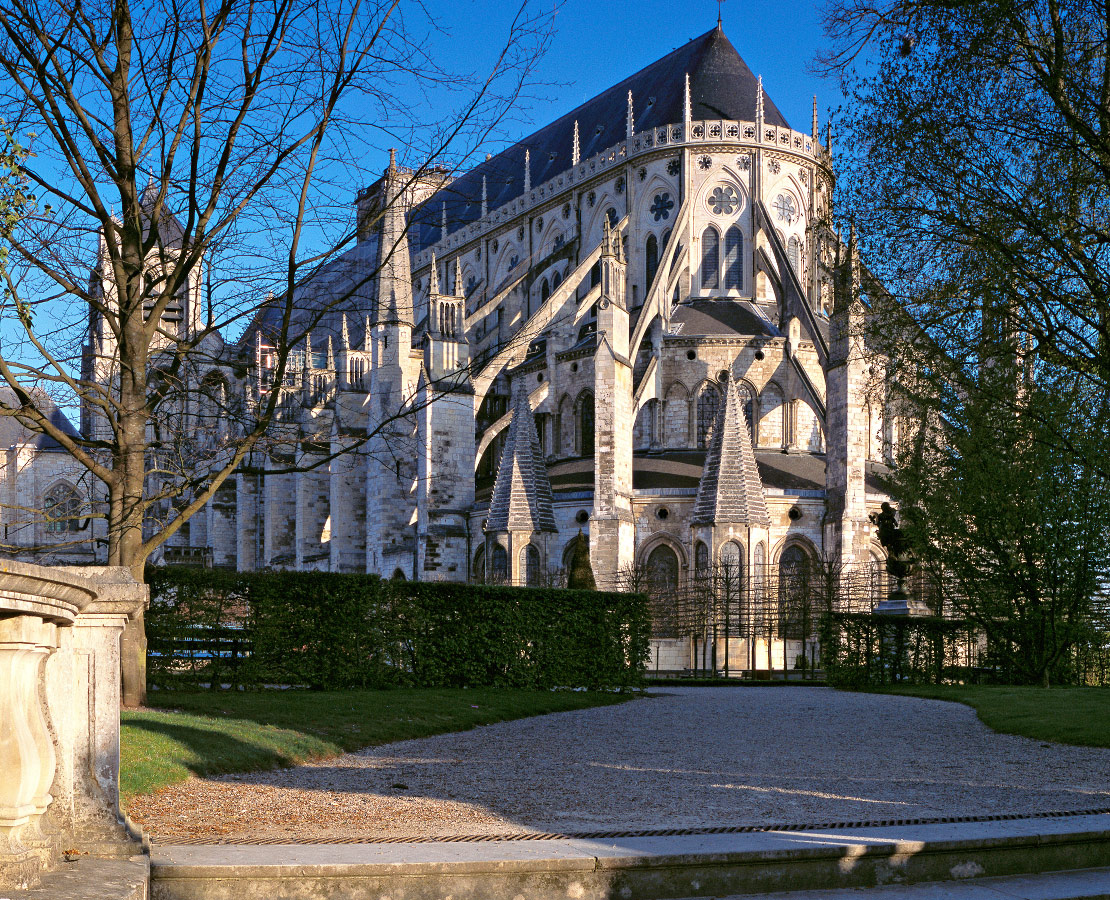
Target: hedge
328, 631
863, 649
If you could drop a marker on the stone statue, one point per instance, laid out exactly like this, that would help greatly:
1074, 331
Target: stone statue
899, 557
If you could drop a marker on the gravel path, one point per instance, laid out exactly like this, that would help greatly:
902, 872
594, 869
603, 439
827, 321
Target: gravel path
681, 757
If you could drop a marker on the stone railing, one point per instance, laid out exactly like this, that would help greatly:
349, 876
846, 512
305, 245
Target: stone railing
59, 716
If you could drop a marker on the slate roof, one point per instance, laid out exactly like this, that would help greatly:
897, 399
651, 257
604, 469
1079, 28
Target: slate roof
720, 317
730, 491
521, 499
12, 431
721, 87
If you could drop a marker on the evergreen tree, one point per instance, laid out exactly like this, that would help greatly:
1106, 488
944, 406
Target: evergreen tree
581, 574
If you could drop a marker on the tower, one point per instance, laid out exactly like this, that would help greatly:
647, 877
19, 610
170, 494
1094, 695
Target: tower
612, 530
392, 456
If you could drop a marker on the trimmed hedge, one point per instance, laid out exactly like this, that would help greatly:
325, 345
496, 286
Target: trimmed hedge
864, 649
329, 631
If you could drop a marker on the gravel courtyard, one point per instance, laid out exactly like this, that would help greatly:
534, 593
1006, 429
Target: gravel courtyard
680, 757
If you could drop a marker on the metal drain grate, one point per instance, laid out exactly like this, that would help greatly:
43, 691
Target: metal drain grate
636, 833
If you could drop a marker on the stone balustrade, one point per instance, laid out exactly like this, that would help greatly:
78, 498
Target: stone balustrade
60, 663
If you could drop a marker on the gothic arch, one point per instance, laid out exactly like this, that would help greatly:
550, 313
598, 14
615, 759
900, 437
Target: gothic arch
584, 423
61, 504
709, 266
595, 229
676, 415
793, 540
530, 565
709, 402
564, 427
772, 409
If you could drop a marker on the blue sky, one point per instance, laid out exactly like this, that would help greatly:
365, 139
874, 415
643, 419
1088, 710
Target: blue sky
597, 44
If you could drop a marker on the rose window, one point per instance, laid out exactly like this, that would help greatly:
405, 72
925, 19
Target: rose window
784, 207
723, 201
661, 206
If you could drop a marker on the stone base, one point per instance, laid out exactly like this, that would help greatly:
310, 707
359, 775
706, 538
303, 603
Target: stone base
87, 878
899, 603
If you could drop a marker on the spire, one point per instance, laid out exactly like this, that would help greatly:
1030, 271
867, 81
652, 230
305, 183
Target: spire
527, 170
443, 220
828, 137
629, 121
433, 280
393, 303
687, 106
730, 491
366, 343
574, 152
344, 334
759, 104
485, 198
458, 277
331, 356
610, 240
816, 127
521, 499
308, 350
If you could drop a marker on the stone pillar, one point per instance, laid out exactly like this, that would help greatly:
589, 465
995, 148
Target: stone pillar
60, 680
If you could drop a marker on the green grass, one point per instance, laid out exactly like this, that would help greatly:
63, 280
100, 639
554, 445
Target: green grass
1067, 715
216, 733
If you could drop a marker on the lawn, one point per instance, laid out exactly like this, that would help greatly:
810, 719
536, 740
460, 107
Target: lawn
1068, 715
211, 733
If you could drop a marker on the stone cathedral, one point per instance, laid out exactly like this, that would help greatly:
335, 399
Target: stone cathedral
635, 324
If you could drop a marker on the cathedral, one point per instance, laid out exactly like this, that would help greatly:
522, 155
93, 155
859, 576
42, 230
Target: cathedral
635, 325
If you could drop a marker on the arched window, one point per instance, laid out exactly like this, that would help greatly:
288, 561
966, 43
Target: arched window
734, 252
747, 401
759, 572
794, 254
478, 571
662, 567
611, 215
701, 560
545, 291
556, 280
732, 563
651, 256
499, 564
595, 274
709, 401
530, 565
793, 592
61, 507
586, 424
398, 575
710, 259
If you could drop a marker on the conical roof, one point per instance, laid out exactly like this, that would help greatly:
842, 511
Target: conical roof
730, 491
721, 87
521, 498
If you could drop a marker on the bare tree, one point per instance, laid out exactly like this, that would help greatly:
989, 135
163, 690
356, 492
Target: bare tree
196, 158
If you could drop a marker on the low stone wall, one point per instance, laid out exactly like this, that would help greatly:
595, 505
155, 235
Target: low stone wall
60, 668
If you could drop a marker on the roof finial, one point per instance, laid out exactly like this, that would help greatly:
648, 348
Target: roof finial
574, 152
458, 278
816, 127
828, 137
720, 4
759, 104
687, 106
443, 220
527, 170
629, 122
331, 356
344, 334
485, 201
433, 281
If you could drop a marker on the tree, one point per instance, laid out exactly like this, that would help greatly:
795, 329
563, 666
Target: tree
580, 576
978, 174
248, 124
1019, 528
979, 170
